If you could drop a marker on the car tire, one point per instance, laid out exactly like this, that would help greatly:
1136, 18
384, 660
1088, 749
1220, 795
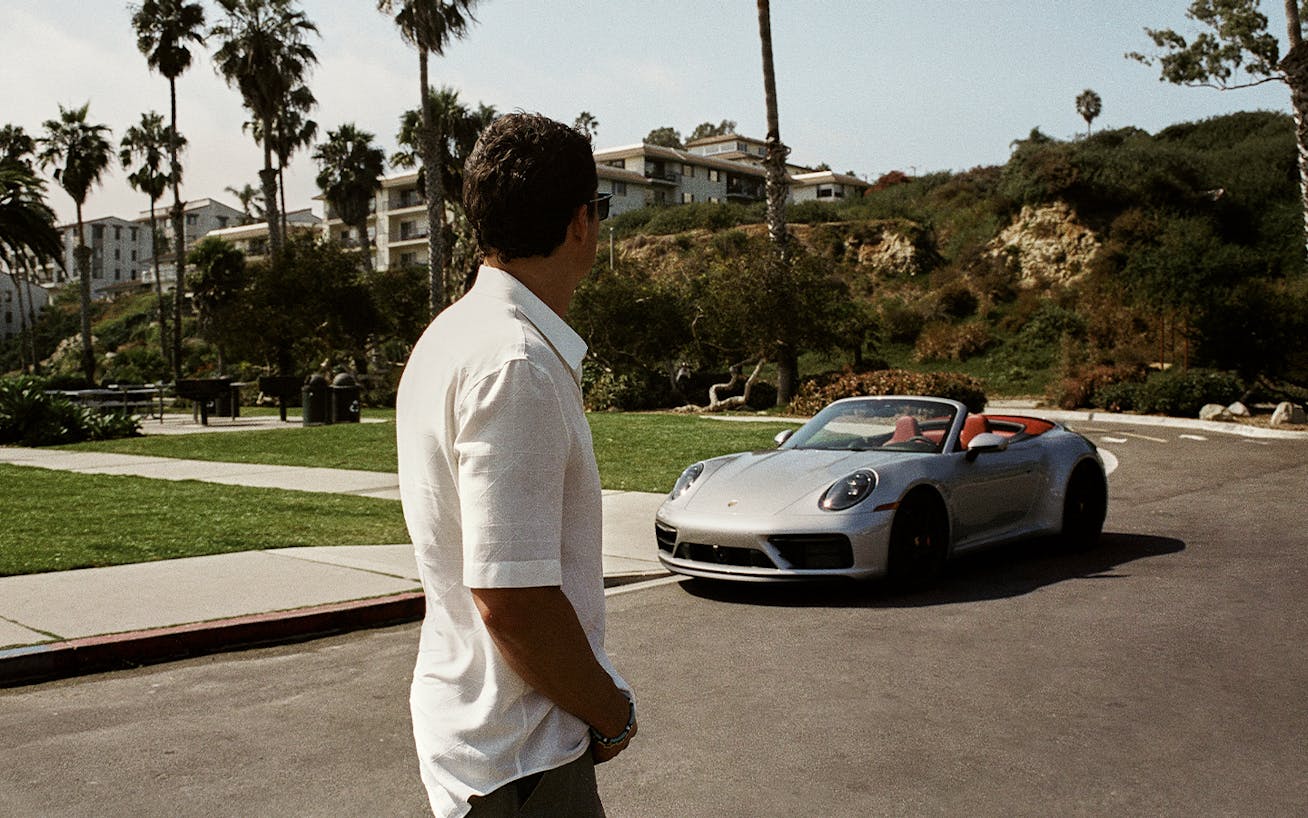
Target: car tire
1085, 505
919, 543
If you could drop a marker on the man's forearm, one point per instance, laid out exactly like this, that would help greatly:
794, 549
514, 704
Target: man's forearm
537, 633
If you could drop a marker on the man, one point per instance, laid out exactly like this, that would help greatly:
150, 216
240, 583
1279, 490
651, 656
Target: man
513, 699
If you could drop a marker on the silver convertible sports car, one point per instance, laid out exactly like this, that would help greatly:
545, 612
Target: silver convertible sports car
882, 486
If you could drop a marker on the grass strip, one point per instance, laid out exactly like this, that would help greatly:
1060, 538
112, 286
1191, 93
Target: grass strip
636, 452
55, 521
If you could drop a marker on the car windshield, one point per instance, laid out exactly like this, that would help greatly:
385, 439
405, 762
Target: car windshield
877, 424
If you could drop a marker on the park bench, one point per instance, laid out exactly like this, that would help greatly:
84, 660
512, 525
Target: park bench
142, 399
285, 388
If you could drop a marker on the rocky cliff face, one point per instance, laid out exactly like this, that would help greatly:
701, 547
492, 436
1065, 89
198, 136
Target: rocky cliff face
1046, 245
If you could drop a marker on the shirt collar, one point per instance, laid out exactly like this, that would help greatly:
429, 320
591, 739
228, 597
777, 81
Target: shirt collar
493, 282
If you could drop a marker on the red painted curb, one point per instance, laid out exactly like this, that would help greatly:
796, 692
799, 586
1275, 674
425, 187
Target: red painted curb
93, 654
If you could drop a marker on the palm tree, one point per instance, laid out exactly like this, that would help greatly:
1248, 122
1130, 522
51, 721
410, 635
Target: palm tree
460, 128
27, 228
263, 54
587, 124
81, 153
249, 196
350, 170
431, 25
293, 130
777, 190
147, 143
165, 29
1088, 105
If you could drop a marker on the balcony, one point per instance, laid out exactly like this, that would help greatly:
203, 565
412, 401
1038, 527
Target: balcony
658, 172
407, 198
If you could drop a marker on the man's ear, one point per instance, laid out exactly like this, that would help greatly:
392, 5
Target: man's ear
580, 221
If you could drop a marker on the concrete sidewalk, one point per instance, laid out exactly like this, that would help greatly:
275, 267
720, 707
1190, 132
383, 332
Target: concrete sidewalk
68, 622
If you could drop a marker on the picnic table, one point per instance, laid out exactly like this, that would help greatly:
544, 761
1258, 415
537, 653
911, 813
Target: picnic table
123, 398
211, 393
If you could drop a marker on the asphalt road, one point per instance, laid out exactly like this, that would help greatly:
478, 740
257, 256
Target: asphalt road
1163, 673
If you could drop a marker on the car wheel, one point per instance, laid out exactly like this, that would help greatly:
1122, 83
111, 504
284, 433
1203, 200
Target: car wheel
1084, 508
919, 541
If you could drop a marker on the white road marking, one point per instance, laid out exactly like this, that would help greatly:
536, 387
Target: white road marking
1145, 437
1192, 437
1259, 442
642, 585
1114, 440
1110, 461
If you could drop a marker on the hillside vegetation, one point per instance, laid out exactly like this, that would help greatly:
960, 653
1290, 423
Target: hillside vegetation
1074, 270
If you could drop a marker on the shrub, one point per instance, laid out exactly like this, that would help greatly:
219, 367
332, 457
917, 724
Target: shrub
1118, 397
30, 417
1084, 386
949, 342
816, 393
1183, 394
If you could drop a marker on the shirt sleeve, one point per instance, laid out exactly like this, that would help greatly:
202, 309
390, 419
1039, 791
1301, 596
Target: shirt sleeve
512, 448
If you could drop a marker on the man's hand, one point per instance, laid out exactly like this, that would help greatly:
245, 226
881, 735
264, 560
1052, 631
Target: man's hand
537, 632
604, 752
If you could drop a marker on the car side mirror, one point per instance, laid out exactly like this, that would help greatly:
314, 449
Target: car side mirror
987, 442
783, 436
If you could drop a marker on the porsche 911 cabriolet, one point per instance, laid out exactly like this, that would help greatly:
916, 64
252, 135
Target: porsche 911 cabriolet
882, 487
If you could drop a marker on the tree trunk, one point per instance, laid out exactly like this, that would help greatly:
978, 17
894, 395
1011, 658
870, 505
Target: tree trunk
179, 238
83, 259
20, 263
777, 191
31, 316
365, 248
1295, 66
158, 287
435, 192
775, 165
268, 180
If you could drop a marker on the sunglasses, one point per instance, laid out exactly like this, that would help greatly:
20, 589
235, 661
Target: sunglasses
601, 203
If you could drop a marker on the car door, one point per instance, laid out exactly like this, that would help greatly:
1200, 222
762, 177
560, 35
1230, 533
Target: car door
992, 493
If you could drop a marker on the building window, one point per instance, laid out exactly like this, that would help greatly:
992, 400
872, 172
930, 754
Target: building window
133, 273
133, 255
222, 221
617, 163
714, 200
118, 253
118, 233
714, 175
9, 317
192, 219
132, 231
118, 274
408, 259
688, 171
687, 198
97, 231
618, 188
831, 192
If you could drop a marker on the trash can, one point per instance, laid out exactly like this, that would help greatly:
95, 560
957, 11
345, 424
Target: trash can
228, 401
314, 400
345, 399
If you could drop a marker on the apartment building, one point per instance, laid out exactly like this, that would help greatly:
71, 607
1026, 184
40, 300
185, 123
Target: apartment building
13, 315
201, 216
252, 239
397, 224
727, 168
119, 249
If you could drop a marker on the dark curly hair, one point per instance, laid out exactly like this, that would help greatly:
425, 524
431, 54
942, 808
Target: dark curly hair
522, 183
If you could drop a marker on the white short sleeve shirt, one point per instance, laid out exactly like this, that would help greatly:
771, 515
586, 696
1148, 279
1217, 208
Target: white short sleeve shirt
500, 490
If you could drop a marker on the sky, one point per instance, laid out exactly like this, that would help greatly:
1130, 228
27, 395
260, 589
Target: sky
862, 85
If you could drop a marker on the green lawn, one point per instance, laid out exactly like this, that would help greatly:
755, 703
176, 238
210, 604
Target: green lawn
636, 452
58, 520
61, 520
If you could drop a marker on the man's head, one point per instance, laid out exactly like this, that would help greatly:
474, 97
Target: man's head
523, 183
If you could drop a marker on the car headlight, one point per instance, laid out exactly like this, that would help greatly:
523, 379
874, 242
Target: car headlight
689, 476
848, 491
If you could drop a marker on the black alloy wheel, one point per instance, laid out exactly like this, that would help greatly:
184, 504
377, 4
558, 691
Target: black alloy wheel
919, 542
1084, 508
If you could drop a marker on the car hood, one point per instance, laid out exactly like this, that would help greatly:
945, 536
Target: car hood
773, 481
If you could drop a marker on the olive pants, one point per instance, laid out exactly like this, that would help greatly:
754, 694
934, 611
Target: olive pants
569, 791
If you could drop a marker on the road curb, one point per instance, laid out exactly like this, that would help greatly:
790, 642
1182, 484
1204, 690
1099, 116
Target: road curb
33, 664
93, 654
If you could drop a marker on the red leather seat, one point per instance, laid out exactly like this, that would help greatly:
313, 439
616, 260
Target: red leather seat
973, 426
906, 428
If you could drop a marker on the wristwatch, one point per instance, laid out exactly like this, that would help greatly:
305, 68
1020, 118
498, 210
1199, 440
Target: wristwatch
605, 741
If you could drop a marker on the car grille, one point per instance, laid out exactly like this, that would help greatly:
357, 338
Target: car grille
814, 551
724, 555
